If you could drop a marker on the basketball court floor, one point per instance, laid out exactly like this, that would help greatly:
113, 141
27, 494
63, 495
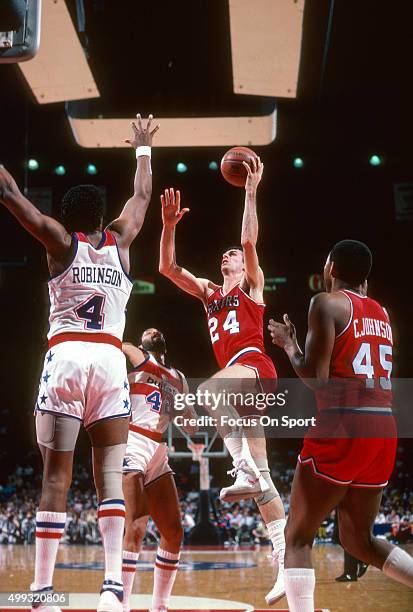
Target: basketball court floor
213, 579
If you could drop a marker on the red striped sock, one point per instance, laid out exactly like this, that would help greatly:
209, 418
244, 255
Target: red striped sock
49, 529
166, 567
111, 519
130, 560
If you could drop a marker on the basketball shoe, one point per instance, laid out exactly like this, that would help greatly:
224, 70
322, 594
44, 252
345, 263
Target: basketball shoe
249, 482
109, 602
278, 590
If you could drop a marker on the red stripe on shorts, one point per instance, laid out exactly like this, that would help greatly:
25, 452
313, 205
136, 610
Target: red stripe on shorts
156, 436
85, 337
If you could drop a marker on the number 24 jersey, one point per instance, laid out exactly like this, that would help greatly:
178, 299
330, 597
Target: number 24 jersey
235, 323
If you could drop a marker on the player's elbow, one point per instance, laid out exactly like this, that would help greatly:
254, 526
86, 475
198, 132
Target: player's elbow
166, 269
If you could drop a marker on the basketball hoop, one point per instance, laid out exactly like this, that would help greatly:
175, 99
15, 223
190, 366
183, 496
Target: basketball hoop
197, 448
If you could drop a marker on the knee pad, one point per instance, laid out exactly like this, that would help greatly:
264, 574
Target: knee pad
56, 431
271, 493
107, 471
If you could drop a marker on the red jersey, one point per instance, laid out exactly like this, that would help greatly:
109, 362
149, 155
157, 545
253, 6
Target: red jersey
235, 323
362, 355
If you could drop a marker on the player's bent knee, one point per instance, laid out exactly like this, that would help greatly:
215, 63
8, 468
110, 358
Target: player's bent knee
107, 466
57, 432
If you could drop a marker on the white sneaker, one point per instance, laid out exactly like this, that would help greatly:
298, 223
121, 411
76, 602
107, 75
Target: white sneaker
108, 602
278, 590
249, 482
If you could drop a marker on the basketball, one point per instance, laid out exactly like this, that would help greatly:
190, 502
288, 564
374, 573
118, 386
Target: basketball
232, 168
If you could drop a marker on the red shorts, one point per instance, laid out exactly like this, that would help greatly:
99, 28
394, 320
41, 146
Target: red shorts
261, 364
355, 462
265, 374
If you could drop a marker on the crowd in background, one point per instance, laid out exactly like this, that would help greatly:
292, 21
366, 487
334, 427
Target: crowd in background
237, 523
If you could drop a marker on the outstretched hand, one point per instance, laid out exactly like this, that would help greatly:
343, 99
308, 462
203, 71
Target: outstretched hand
142, 136
283, 334
254, 173
171, 207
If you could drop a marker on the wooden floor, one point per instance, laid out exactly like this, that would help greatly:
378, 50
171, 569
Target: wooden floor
247, 584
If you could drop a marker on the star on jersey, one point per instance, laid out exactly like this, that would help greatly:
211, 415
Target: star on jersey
46, 377
126, 385
43, 399
50, 356
125, 404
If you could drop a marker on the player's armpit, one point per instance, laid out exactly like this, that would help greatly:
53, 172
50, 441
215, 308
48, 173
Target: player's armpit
134, 354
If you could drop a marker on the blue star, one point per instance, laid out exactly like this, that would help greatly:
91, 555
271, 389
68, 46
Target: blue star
125, 404
43, 399
125, 385
46, 377
50, 357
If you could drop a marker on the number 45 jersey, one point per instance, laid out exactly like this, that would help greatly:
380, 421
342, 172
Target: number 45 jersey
91, 295
362, 356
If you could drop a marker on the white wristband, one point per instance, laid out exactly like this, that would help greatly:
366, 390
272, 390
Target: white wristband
144, 150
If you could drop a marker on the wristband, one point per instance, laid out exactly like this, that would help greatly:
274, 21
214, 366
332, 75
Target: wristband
143, 150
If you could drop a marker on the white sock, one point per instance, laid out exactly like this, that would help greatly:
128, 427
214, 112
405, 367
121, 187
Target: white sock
49, 529
238, 448
299, 587
234, 445
276, 534
166, 567
399, 566
130, 560
111, 519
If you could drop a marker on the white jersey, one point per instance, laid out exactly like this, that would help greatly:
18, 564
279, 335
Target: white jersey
91, 295
152, 389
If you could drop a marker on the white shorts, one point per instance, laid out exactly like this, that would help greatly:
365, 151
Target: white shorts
146, 456
84, 380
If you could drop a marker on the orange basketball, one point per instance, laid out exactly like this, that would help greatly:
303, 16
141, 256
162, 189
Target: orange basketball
232, 168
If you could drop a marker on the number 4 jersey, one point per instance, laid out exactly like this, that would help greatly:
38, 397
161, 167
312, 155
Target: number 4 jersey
362, 355
91, 295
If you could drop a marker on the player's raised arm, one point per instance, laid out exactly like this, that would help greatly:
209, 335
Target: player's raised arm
134, 354
128, 225
48, 231
171, 215
314, 363
249, 233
